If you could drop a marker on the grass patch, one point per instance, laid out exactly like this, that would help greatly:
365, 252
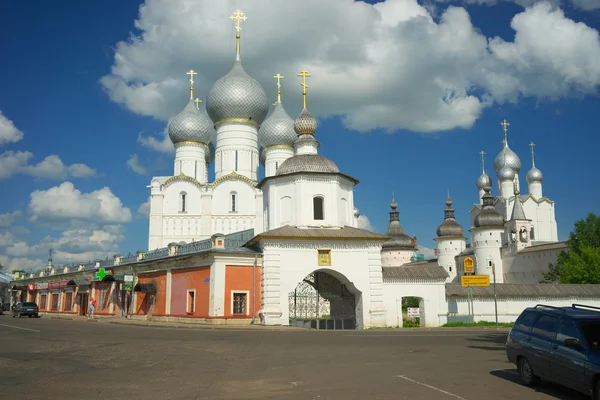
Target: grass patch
480, 323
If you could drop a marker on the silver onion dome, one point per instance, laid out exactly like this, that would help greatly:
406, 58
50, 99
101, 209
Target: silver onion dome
190, 125
511, 159
237, 96
305, 123
278, 128
307, 163
488, 216
398, 239
210, 153
506, 173
534, 175
449, 227
484, 181
262, 156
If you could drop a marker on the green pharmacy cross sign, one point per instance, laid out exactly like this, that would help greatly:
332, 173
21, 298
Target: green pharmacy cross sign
100, 275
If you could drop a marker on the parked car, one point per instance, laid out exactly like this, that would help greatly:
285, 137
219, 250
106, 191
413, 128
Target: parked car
27, 308
558, 344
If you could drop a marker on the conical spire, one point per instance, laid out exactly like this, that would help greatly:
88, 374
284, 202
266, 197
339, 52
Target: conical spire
517, 212
398, 238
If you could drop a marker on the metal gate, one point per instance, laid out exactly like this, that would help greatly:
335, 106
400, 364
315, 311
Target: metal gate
320, 301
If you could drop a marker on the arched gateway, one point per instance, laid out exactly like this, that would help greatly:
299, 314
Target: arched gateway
321, 301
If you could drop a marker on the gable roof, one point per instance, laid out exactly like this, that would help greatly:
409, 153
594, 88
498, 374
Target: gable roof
416, 270
292, 232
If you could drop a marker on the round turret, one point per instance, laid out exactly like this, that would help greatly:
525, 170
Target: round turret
190, 125
534, 175
449, 227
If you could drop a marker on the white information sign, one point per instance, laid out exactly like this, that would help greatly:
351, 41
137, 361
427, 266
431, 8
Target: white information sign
413, 312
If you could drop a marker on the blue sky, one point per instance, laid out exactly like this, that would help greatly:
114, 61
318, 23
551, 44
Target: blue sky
407, 96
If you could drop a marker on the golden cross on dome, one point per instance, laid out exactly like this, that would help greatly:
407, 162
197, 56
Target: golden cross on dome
279, 77
505, 126
197, 101
304, 74
191, 73
532, 145
238, 16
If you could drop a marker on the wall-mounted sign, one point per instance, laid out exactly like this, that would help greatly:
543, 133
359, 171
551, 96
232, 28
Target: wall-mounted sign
324, 257
58, 284
469, 266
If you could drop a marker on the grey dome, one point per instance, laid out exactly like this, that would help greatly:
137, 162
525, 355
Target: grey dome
210, 154
488, 216
484, 181
262, 157
237, 95
278, 129
506, 173
307, 163
305, 123
449, 227
512, 160
190, 125
398, 238
534, 175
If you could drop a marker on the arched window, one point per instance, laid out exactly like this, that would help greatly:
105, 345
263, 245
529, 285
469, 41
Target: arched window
318, 208
182, 198
233, 202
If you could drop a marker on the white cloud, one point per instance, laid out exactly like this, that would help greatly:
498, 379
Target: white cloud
52, 167
428, 253
585, 5
6, 239
134, 163
364, 223
66, 205
7, 219
144, 208
8, 131
20, 263
163, 145
416, 73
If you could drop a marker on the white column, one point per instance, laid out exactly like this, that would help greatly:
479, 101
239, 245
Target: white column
237, 150
168, 293
376, 307
113, 295
535, 189
507, 189
155, 234
216, 302
271, 287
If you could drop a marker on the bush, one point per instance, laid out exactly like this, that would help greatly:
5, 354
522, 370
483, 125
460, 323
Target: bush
411, 323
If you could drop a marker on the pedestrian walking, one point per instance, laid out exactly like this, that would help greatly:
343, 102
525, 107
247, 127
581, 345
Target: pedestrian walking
92, 308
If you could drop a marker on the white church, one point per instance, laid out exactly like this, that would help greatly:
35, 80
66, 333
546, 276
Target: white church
287, 250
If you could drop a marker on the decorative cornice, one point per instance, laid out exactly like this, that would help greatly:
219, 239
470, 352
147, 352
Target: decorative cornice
233, 175
190, 143
242, 121
278, 146
183, 178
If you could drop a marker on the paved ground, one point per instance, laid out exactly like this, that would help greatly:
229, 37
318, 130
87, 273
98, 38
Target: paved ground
59, 359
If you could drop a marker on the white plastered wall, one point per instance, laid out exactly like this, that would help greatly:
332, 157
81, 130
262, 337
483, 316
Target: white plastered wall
433, 307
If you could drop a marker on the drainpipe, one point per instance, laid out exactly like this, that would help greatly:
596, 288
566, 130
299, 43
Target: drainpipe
254, 290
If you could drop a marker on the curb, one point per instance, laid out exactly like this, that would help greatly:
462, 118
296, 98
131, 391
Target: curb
58, 317
241, 328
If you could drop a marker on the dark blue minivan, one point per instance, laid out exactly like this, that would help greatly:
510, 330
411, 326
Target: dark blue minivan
558, 344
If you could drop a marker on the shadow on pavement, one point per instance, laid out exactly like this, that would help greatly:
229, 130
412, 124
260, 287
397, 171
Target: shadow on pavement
551, 389
491, 342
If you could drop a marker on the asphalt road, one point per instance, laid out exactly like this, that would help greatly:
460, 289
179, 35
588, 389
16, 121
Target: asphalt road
57, 359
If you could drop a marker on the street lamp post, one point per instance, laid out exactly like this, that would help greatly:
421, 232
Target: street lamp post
495, 297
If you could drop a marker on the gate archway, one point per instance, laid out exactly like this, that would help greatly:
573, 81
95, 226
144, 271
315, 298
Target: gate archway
321, 301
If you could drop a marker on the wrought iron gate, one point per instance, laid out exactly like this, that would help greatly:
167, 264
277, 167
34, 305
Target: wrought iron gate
320, 301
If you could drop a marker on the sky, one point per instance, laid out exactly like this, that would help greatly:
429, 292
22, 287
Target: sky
407, 94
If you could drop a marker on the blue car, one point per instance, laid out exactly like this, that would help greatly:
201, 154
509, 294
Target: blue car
27, 308
558, 344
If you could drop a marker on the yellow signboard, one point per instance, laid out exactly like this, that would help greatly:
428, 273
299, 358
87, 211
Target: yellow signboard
475, 280
468, 266
324, 257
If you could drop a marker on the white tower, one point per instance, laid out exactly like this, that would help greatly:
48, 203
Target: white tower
450, 242
486, 239
534, 177
237, 105
400, 248
518, 228
276, 136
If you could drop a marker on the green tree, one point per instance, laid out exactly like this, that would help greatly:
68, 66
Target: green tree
581, 264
